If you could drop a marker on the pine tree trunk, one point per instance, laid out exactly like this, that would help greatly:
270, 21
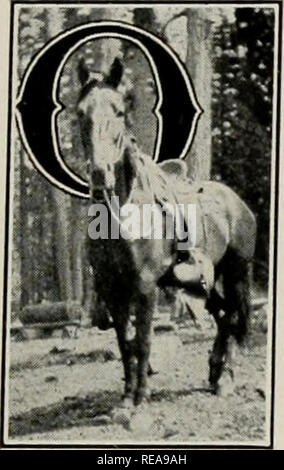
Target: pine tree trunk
198, 63
61, 240
23, 216
76, 238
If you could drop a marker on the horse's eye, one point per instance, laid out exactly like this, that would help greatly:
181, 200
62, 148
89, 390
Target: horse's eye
119, 113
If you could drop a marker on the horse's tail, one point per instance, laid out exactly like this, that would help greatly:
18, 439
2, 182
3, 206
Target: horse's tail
243, 293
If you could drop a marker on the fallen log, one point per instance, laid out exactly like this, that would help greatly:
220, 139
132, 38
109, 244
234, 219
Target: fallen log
51, 314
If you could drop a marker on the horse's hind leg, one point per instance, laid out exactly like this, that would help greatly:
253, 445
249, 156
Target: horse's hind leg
215, 306
220, 358
232, 318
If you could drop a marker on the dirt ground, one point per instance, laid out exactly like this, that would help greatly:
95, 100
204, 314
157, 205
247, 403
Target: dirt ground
68, 390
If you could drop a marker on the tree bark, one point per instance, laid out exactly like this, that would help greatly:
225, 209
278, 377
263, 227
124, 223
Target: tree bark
198, 63
55, 21
24, 258
76, 238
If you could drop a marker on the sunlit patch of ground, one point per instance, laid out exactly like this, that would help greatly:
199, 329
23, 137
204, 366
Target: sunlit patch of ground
67, 390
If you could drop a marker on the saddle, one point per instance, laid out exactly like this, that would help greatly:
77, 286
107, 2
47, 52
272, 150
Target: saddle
168, 183
175, 168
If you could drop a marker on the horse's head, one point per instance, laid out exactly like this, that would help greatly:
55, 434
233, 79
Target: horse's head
101, 111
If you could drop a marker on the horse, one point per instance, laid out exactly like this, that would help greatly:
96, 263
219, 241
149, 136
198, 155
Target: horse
127, 271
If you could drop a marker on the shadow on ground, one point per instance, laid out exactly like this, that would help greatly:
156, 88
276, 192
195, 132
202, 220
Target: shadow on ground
81, 411
63, 357
72, 411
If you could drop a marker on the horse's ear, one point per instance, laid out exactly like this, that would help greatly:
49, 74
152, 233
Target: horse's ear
115, 74
83, 72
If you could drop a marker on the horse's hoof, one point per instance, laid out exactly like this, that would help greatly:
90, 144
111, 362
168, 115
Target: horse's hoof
122, 416
138, 400
127, 402
214, 388
226, 384
141, 398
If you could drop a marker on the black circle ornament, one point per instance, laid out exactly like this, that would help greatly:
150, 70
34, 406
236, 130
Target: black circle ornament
38, 105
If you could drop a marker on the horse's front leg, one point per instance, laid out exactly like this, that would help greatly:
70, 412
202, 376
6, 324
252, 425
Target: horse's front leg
121, 322
144, 313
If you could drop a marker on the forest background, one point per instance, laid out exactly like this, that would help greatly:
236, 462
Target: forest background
229, 53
